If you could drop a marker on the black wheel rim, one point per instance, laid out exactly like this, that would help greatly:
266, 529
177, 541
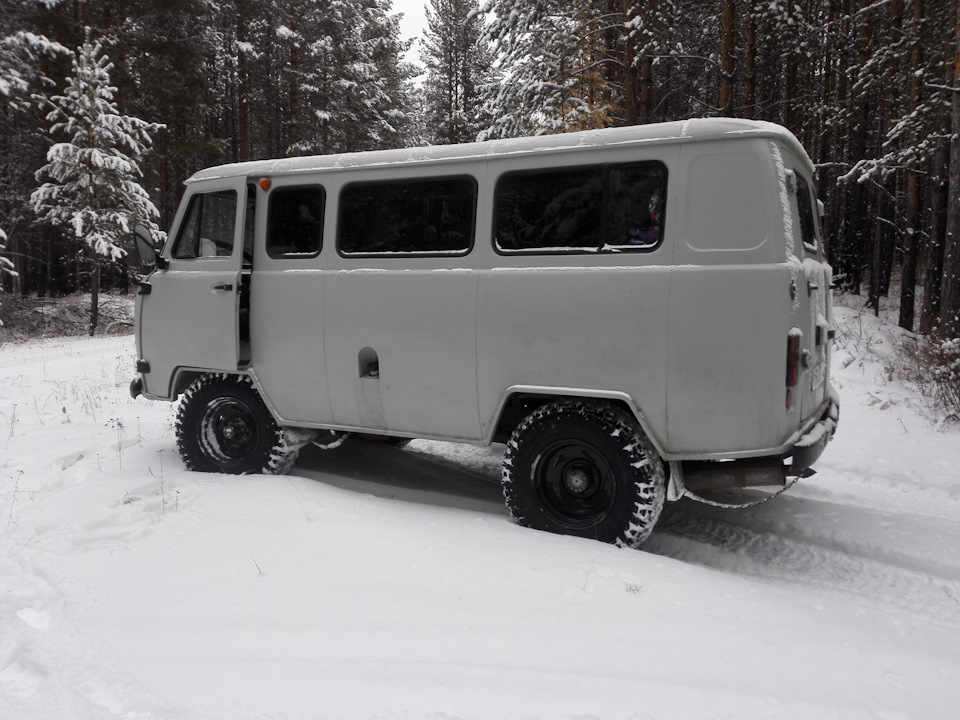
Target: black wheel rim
229, 432
575, 483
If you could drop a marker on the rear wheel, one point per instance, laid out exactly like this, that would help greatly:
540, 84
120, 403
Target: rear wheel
584, 468
224, 426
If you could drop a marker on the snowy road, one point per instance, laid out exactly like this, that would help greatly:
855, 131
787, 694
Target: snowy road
382, 583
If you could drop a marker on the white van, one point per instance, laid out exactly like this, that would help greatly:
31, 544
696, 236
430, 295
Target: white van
637, 312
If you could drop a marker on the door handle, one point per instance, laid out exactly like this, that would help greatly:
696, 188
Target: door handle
222, 286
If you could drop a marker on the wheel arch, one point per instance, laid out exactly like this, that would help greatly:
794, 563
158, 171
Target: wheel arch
518, 401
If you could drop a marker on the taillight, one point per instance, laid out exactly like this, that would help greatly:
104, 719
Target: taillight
793, 364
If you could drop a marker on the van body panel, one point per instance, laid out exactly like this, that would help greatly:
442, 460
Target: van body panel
726, 360
546, 326
287, 343
420, 325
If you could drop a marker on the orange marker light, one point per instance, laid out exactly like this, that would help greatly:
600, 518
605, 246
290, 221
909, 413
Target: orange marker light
264, 184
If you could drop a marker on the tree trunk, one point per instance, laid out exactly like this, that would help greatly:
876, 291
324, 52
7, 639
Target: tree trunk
243, 93
911, 244
950, 311
94, 294
646, 87
629, 70
933, 278
292, 138
728, 49
750, 87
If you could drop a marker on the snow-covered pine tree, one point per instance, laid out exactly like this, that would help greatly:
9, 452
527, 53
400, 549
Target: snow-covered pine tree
545, 47
346, 85
92, 193
22, 57
459, 63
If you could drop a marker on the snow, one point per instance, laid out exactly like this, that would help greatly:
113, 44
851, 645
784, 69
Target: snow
390, 584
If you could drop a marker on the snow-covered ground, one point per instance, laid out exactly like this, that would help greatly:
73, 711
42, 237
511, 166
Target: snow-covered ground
390, 584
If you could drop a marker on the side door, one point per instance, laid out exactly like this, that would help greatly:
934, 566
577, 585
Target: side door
189, 312
400, 307
286, 299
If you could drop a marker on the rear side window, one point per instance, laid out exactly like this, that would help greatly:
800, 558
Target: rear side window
808, 228
208, 226
295, 221
611, 207
423, 217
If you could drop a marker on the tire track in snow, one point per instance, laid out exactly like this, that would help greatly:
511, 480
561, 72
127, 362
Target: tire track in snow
755, 547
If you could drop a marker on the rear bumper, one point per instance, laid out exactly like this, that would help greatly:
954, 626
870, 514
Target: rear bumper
796, 460
813, 442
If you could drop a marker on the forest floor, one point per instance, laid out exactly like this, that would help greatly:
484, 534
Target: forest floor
28, 317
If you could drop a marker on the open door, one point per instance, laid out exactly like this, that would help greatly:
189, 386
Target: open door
189, 312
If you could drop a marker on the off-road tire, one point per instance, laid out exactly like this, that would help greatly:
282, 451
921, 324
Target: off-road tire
584, 468
224, 426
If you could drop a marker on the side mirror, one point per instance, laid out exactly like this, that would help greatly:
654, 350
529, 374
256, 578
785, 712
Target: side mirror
143, 245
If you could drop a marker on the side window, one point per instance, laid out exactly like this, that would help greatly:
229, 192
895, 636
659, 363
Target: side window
635, 205
208, 226
549, 210
590, 209
426, 217
295, 221
808, 228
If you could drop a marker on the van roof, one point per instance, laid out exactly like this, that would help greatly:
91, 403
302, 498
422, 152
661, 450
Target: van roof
685, 131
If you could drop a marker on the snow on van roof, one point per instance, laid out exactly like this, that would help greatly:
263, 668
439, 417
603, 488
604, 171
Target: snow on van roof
685, 131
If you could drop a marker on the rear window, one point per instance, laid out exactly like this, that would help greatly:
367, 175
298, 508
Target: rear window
404, 217
587, 209
808, 227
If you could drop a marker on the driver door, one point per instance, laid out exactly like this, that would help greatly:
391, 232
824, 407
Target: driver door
189, 312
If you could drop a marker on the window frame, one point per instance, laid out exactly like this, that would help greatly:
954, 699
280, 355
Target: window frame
801, 188
199, 197
603, 248
323, 222
475, 191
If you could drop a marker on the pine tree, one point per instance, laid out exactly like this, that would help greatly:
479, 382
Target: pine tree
23, 56
346, 86
459, 63
92, 193
551, 50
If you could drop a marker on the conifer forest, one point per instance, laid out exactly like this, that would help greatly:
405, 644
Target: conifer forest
107, 106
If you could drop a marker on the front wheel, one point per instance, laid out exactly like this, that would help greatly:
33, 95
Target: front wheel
584, 468
224, 426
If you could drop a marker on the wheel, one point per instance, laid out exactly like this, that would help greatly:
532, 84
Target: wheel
224, 426
584, 468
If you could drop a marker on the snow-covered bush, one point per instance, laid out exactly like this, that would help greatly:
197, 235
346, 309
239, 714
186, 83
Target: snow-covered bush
933, 364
